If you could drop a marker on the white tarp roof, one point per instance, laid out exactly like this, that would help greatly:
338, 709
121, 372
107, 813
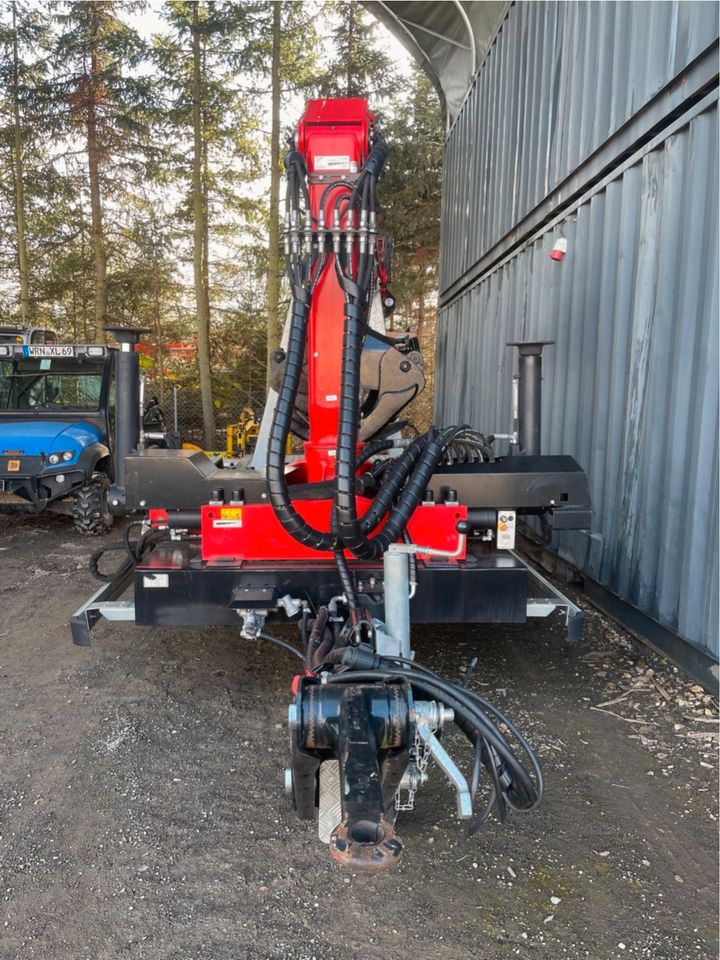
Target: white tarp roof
448, 38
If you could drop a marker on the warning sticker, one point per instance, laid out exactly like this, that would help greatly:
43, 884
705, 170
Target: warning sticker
229, 517
505, 532
332, 163
155, 580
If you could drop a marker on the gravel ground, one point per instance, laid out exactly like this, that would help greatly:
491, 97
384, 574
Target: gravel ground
142, 815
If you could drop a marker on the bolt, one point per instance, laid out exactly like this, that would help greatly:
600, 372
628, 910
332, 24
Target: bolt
405, 366
292, 716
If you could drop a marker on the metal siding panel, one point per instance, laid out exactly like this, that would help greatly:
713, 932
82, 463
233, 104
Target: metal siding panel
603, 77
621, 59
559, 80
631, 386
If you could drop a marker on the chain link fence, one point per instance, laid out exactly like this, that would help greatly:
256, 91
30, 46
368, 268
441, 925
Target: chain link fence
234, 394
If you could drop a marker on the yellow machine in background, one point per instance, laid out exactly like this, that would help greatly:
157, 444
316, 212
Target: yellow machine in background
241, 436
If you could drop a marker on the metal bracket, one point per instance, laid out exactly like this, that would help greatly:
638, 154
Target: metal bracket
446, 763
544, 598
103, 603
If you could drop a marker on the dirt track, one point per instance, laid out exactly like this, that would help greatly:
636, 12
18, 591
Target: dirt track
142, 814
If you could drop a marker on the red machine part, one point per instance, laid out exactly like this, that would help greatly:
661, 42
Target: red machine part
253, 532
333, 136
158, 518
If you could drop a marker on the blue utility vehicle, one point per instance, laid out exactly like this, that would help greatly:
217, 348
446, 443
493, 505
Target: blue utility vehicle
56, 425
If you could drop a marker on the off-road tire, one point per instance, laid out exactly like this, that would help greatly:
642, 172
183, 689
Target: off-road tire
90, 509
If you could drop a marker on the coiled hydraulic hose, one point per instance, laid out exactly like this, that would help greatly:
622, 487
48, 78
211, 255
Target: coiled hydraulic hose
513, 784
136, 551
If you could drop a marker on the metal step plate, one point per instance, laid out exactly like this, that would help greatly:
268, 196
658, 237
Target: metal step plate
330, 809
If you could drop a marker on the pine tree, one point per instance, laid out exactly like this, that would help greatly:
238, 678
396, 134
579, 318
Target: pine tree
23, 37
273, 271
293, 57
410, 198
213, 127
100, 96
410, 192
359, 67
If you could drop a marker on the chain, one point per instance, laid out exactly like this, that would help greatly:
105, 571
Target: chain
420, 757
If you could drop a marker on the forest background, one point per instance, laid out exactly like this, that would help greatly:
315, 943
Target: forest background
141, 150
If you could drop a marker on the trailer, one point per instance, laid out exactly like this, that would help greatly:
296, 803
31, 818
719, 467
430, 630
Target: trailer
370, 531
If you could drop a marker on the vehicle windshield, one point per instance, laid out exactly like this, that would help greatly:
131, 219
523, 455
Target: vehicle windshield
42, 383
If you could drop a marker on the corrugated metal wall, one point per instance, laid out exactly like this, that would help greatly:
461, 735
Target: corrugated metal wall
631, 386
560, 79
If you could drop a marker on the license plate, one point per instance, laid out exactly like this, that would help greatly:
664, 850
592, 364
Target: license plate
44, 350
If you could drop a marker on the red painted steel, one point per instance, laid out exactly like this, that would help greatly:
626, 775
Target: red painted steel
333, 136
253, 532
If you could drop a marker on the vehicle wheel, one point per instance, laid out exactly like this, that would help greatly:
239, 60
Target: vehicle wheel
90, 508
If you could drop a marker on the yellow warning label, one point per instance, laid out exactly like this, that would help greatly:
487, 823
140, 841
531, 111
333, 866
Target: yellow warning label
229, 517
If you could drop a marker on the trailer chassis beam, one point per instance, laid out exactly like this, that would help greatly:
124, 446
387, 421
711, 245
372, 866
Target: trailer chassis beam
103, 603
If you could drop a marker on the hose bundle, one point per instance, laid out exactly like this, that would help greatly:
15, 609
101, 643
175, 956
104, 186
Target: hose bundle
513, 784
136, 551
350, 239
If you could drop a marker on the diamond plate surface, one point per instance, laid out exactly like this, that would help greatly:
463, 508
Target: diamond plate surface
330, 810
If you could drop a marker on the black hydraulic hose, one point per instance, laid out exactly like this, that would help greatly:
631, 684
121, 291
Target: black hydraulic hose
521, 781
329, 189
278, 493
96, 556
373, 448
136, 551
492, 802
316, 634
471, 700
282, 643
469, 717
349, 526
484, 705
347, 584
397, 475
